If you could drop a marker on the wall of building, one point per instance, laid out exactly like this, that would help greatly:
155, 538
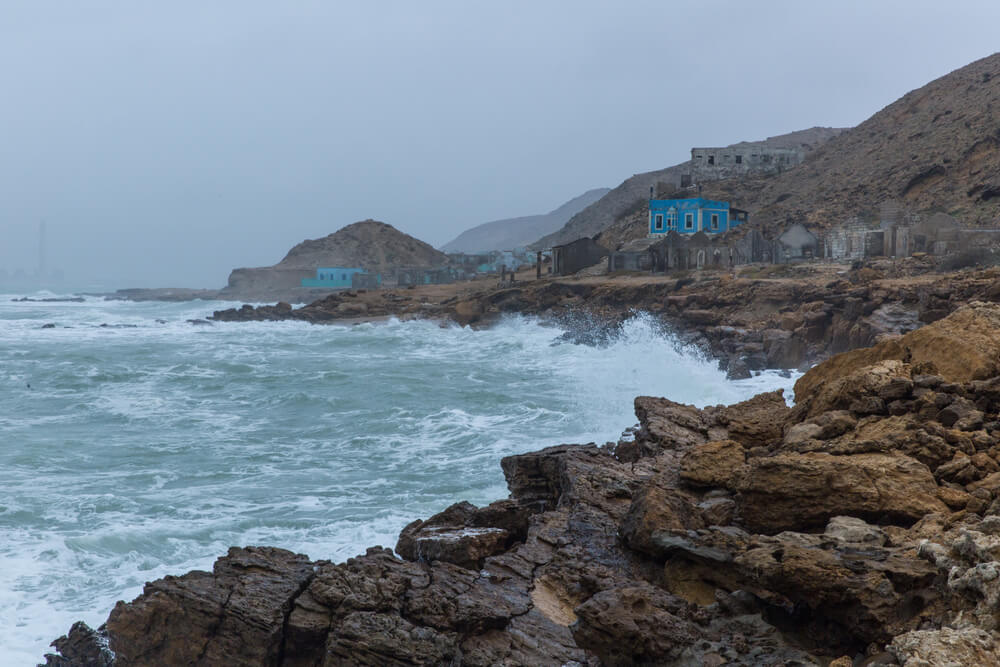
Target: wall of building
718, 163
336, 277
576, 256
700, 209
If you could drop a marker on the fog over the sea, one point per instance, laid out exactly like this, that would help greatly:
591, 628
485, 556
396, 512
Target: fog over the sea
165, 143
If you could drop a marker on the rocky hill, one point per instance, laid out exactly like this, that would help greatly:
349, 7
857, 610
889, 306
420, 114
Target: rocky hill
373, 245
618, 202
935, 149
514, 232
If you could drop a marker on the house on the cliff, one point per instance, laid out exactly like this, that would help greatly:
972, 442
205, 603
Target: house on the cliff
340, 277
580, 254
690, 216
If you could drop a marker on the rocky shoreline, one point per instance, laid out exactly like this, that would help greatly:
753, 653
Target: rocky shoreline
857, 528
778, 317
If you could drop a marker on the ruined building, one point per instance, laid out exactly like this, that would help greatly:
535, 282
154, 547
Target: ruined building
710, 164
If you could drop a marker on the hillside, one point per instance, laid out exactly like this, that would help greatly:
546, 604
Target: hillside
937, 148
521, 231
373, 245
616, 203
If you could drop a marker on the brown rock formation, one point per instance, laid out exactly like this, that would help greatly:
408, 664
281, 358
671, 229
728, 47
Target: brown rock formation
749, 534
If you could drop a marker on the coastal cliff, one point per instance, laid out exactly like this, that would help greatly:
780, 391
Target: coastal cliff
858, 527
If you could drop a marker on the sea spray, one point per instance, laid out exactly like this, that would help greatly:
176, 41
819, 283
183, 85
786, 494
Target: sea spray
148, 449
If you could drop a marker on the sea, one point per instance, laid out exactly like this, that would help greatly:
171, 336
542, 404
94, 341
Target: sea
139, 440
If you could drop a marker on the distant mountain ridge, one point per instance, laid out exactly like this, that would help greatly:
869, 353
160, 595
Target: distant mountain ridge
604, 212
522, 231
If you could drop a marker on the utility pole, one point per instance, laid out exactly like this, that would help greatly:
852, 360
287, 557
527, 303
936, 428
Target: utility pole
41, 251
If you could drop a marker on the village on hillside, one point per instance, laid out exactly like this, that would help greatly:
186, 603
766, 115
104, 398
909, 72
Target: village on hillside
690, 232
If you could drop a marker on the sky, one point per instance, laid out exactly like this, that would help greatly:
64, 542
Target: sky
164, 144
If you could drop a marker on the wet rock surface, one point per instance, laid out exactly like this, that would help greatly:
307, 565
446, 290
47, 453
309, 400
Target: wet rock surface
843, 530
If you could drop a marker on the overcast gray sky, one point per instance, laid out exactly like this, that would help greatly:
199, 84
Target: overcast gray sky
166, 143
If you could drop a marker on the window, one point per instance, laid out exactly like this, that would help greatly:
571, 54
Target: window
343, 276
689, 221
739, 159
715, 222
711, 159
658, 226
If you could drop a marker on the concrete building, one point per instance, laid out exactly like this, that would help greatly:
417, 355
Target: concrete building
719, 163
571, 257
337, 277
690, 216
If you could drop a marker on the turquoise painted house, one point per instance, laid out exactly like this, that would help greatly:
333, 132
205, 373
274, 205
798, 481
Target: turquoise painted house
336, 277
690, 216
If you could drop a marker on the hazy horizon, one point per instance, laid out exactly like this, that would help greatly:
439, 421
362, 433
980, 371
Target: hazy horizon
164, 146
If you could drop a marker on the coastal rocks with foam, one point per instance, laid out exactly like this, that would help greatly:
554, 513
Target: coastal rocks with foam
861, 526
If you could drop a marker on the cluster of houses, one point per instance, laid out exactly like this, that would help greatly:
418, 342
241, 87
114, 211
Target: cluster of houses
460, 266
691, 234
697, 233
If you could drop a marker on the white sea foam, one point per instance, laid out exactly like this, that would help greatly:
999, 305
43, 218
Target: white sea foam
150, 449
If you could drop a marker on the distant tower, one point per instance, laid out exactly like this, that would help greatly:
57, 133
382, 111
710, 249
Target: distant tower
41, 250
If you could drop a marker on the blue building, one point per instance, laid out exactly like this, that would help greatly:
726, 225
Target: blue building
690, 216
337, 277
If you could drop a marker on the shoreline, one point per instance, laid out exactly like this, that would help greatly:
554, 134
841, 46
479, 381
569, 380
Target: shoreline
467, 537
690, 544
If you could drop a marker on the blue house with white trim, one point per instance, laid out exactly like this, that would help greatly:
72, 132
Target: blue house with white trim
690, 216
337, 277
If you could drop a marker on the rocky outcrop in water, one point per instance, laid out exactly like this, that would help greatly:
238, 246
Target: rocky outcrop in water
861, 526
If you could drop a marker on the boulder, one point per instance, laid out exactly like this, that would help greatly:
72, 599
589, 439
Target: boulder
802, 491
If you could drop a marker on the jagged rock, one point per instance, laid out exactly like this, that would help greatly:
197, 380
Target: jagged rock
236, 613
714, 464
464, 534
796, 491
82, 646
638, 624
670, 424
654, 510
757, 421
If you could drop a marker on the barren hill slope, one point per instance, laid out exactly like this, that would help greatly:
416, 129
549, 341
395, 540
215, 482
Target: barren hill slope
373, 245
370, 244
936, 148
514, 232
616, 203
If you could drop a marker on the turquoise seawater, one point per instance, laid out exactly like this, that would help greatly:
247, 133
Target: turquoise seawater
134, 444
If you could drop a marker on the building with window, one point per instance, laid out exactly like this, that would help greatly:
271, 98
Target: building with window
337, 277
690, 216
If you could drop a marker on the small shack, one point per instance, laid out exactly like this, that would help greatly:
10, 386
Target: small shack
569, 258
